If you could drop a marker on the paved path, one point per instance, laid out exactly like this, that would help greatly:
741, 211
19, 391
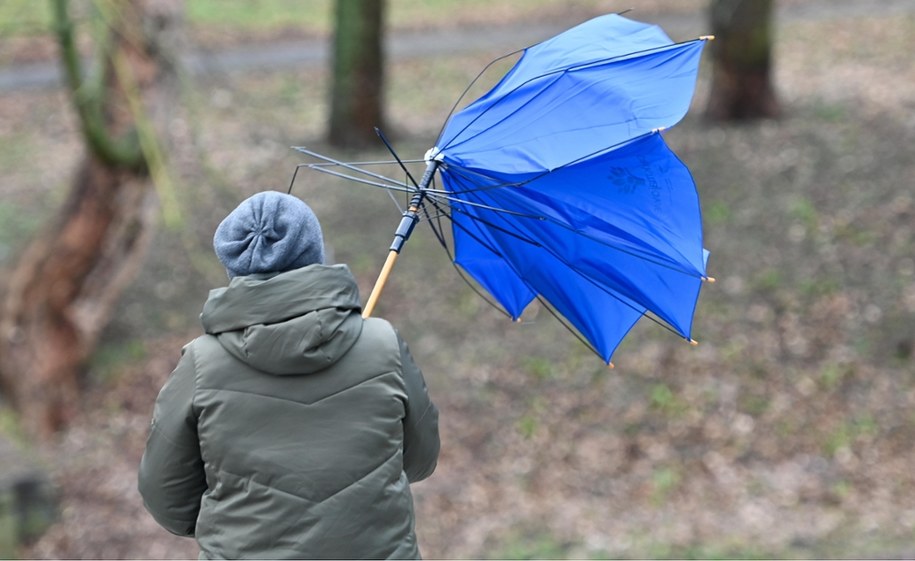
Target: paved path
444, 42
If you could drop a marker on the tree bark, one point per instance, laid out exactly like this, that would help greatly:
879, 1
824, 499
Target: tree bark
64, 286
742, 61
357, 103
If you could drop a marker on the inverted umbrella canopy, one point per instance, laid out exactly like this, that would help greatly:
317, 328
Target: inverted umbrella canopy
603, 241
605, 223
560, 186
583, 92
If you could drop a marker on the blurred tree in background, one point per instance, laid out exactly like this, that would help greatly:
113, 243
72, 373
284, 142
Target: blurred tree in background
356, 106
742, 60
63, 288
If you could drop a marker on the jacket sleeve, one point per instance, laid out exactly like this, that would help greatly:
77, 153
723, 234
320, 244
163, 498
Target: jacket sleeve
171, 476
421, 440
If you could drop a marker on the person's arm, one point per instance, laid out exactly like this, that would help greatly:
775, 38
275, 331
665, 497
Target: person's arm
171, 479
421, 440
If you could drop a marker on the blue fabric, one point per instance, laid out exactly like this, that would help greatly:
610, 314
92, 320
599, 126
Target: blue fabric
585, 91
604, 219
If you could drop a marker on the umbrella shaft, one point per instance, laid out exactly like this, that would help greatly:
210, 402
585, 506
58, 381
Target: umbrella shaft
407, 223
410, 217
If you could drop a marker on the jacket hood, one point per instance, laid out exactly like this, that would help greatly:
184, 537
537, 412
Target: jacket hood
297, 322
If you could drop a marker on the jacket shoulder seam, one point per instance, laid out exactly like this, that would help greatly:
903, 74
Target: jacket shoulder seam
192, 349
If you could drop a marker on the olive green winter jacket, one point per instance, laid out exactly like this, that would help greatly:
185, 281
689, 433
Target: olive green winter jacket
293, 428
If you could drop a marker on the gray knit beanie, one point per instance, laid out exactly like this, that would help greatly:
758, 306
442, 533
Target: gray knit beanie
270, 232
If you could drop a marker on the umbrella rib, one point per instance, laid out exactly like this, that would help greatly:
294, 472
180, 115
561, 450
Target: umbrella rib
571, 328
441, 239
570, 68
402, 187
518, 235
483, 206
498, 184
376, 162
387, 144
580, 159
474, 120
449, 196
469, 174
604, 289
644, 256
634, 253
530, 241
483, 71
495, 251
474, 81
576, 270
352, 166
565, 323
490, 208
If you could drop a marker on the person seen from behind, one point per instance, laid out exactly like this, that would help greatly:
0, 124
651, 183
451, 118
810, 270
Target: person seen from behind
293, 427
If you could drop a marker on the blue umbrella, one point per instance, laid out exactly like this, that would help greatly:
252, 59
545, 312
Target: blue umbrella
560, 186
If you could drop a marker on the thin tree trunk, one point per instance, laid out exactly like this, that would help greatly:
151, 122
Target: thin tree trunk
358, 73
742, 60
61, 294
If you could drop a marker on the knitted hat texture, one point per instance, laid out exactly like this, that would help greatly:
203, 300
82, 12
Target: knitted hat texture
270, 232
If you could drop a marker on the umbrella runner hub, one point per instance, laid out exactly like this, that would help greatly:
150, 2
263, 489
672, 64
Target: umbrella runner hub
435, 153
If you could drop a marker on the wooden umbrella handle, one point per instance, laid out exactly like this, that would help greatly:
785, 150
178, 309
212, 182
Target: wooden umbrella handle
379, 284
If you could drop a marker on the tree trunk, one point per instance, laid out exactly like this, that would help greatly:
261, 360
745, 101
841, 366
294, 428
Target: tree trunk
358, 73
62, 291
741, 53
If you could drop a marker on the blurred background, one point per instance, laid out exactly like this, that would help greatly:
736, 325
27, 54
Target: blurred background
786, 433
